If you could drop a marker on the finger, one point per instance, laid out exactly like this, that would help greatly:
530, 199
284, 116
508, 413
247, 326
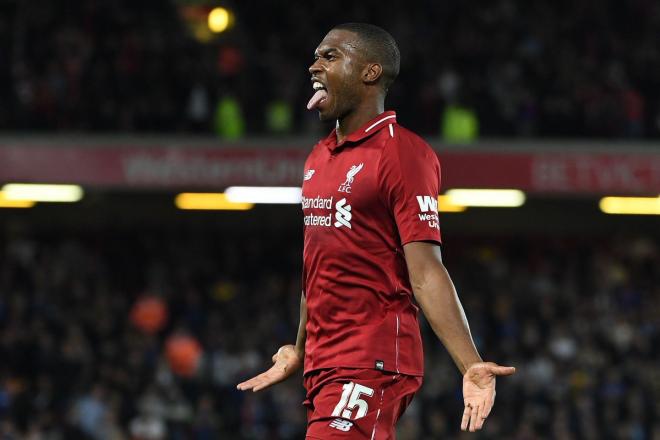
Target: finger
264, 380
466, 417
480, 416
503, 371
279, 351
251, 382
263, 385
260, 385
490, 401
246, 385
473, 419
276, 355
243, 386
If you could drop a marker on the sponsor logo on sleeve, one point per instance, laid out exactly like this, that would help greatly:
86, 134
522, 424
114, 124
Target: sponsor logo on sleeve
428, 207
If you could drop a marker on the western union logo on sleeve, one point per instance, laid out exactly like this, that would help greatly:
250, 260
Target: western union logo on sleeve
427, 203
429, 211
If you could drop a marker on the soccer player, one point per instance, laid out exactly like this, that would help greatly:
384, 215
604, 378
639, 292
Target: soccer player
371, 253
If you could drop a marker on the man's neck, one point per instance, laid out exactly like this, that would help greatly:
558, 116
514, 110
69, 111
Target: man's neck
357, 118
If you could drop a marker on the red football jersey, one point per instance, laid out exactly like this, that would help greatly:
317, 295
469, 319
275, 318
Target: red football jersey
363, 200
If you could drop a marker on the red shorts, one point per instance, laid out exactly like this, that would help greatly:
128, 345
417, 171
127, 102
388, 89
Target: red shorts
354, 403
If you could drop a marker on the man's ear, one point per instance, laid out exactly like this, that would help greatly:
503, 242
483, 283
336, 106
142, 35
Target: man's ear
372, 72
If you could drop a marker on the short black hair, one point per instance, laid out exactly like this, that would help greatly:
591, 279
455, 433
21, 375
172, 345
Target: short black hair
379, 44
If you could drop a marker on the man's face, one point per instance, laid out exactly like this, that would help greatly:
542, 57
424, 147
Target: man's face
338, 69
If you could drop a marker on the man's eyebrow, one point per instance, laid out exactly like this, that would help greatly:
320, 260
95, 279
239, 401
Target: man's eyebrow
325, 50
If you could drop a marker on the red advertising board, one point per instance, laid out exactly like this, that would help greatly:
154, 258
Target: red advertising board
180, 168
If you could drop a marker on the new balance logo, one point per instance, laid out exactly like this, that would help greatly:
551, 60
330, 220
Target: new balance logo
350, 176
341, 424
343, 214
309, 174
427, 203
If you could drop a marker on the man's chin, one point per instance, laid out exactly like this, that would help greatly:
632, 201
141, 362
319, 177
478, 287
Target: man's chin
325, 116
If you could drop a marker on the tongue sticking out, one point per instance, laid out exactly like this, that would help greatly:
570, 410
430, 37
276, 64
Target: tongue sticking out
318, 96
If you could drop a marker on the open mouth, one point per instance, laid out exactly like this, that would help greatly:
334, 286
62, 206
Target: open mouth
320, 95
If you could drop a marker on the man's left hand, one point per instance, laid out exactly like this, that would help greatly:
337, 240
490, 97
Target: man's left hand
479, 392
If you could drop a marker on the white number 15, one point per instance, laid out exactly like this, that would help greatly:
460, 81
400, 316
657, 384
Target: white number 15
354, 390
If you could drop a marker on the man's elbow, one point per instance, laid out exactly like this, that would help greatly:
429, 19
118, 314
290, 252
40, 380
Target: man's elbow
427, 278
421, 282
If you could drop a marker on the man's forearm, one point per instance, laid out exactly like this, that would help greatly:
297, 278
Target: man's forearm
300, 339
436, 295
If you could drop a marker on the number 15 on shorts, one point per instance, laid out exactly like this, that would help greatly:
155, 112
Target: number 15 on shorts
350, 400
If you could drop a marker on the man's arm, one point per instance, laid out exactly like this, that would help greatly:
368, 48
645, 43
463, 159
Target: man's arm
287, 360
436, 295
300, 338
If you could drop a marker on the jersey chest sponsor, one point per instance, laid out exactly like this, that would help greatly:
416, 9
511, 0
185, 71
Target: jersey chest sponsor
337, 211
340, 211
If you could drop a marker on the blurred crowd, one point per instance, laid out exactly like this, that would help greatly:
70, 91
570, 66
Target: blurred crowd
518, 68
577, 317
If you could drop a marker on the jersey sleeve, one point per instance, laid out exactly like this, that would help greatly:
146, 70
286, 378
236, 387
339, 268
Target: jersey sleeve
410, 181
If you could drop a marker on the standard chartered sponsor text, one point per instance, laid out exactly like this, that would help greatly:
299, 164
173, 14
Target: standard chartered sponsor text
317, 202
318, 220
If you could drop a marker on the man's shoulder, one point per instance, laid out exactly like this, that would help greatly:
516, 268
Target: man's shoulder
319, 146
321, 142
401, 139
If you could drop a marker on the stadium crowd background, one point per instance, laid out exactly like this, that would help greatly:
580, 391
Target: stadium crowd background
578, 318
567, 69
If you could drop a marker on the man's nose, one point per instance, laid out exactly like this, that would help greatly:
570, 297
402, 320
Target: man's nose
315, 67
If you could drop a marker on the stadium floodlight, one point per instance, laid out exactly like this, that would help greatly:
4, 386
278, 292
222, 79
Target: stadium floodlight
493, 198
445, 205
42, 192
209, 202
218, 20
7, 203
630, 205
264, 194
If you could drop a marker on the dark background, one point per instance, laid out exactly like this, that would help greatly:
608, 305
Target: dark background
527, 68
567, 294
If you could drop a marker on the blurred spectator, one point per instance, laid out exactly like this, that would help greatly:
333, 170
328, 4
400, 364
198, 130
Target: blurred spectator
89, 412
229, 123
459, 125
279, 117
199, 108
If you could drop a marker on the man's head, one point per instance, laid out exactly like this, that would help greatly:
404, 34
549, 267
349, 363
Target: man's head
354, 62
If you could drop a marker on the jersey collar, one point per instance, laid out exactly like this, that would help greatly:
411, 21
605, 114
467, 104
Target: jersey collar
369, 128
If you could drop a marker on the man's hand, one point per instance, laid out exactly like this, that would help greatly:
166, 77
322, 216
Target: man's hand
287, 361
479, 392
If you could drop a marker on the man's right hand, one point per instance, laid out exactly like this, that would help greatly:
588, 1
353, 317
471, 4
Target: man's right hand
286, 362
